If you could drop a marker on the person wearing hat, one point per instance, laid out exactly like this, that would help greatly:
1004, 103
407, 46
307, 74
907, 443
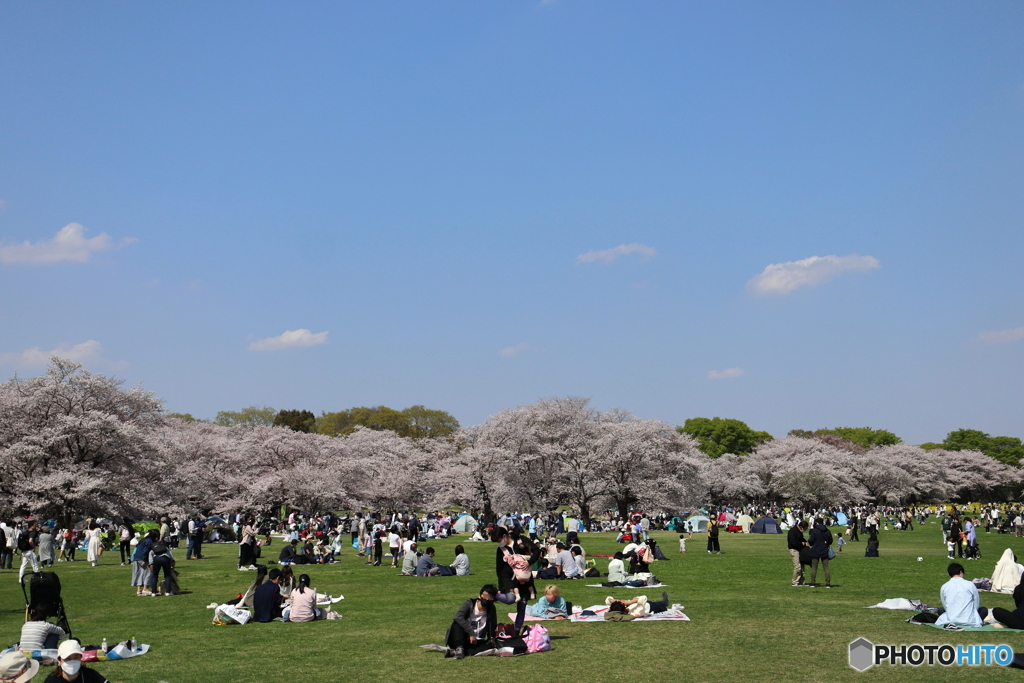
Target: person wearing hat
70, 668
15, 667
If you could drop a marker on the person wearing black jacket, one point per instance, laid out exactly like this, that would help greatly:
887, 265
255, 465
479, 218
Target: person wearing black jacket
820, 539
520, 545
1014, 619
474, 624
795, 541
267, 602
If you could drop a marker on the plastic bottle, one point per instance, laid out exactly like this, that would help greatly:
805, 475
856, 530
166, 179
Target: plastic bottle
104, 646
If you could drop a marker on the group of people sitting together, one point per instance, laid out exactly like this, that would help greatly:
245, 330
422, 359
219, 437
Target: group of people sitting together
278, 594
416, 563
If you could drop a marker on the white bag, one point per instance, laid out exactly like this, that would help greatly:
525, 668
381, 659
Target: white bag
232, 613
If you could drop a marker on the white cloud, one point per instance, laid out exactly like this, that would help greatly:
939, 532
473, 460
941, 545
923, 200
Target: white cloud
510, 351
35, 357
70, 244
1002, 336
782, 278
611, 255
728, 373
290, 339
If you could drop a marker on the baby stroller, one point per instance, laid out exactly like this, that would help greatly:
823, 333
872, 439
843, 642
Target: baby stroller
972, 552
44, 589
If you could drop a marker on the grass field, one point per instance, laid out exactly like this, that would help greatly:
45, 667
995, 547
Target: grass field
748, 623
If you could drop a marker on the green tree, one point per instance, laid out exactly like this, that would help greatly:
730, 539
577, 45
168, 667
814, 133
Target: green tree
864, 436
296, 420
253, 416
415, 422
1005, 449
718, 436
186, 417
430, 424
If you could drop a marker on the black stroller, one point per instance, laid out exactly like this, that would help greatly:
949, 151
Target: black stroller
44, 589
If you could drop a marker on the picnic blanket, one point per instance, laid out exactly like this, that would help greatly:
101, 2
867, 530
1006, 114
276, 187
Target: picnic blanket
599, 610
635, 588
530, 617
119, 651
986, 627
495, 652
897, 603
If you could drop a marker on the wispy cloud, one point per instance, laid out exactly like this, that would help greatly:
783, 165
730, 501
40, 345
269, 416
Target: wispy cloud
1002, 336
613, 254
35, 357
70, 244
728, 373
290, 339
511, 351
782, 278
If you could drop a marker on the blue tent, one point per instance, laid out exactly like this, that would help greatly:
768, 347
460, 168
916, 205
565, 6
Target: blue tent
841, 519
765, 525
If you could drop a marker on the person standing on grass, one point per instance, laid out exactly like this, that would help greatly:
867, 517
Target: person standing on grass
819, 540
795, 541
507, 583
28, 541
246, 546
713, 538
140, 563
394, 546
95, 546
125, 541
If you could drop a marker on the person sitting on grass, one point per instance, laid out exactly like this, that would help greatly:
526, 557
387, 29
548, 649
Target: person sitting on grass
267, 601
961, 603
472, 629
303, 606
69, 666
566, 565
639, 606
1002, 617
546, 571
426, 566
38, 633
410, 560
289, 553
617, 569
461, 564
551, 605
872, 548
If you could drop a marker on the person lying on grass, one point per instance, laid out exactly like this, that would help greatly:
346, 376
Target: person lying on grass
473, 626
551, 605
639, 606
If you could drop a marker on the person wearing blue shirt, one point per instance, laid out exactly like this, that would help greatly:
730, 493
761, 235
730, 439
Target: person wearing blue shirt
960, 600
426, 566
552, 599
140, 563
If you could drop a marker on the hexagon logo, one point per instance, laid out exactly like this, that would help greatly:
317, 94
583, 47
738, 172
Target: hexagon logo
862, 654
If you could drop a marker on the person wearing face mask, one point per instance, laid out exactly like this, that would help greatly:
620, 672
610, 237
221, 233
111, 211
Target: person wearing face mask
69, 666
508, 544
472, 629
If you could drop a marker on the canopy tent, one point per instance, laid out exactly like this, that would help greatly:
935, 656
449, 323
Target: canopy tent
676, 524
745, 521
466, 524
696, 524
765, 525
841, 519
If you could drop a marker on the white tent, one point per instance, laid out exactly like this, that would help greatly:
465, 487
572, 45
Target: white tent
696, 524
745, 521
466, 524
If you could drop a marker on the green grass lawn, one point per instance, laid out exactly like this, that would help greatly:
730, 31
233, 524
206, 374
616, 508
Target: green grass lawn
748, 623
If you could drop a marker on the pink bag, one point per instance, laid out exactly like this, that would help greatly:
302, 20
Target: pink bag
538, 639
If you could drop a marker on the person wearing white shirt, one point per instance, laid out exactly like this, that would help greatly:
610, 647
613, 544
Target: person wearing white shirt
394, 543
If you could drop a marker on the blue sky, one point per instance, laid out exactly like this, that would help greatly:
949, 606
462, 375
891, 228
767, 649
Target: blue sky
474, 205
